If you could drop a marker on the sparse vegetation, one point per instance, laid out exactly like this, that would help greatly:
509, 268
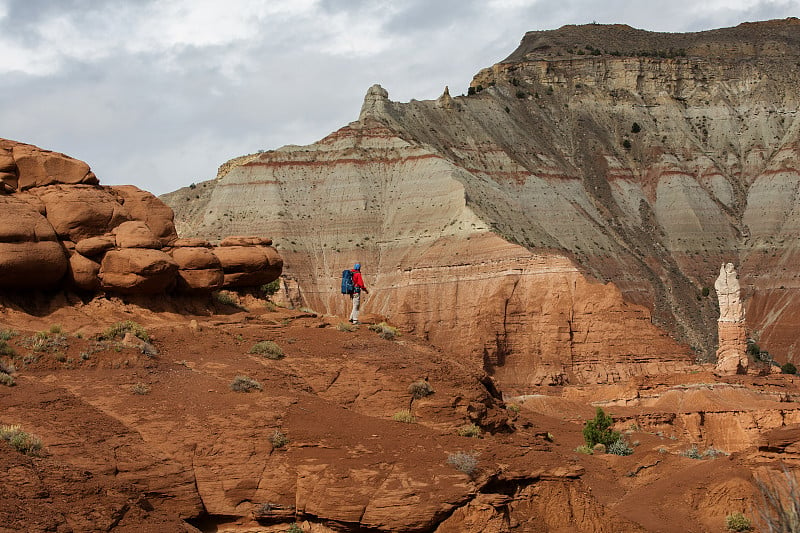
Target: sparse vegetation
244, 384
119, 329
345, 326
619, 447
227, 298
294, 528
598, 430
788, 368
7, 379
469, 430
514, 408
692, 453
6, 349
636, 128
583, 448
278, 439
404, 415
20, 440
420, 389
44, 341
464, 462
738, 522
271, 288
268, 349
384, 330
140, 389
7, 334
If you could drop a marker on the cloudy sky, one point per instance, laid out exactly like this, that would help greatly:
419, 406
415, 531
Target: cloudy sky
159, 93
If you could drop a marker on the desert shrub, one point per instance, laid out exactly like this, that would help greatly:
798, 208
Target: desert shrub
779, 508
56, 328
244, 384
44, 341
713, 452
753, 348
278, 439
5, 349
738, 522
345, 326
626, 144
119, 329
7, 379
227, 298
384, 331
7, 334
514, 408
583, 448
464, 462
404, 415
636, 128
7, 368
692, 453
271, 288
788, 368
420, 389
469, 430
598, 430
20, 440
140, 388
268, 349
619, 447
294, 528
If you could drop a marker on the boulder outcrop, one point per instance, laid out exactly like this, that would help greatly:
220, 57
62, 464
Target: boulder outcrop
60, 228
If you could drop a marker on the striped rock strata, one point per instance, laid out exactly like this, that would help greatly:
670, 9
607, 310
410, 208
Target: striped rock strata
645, 159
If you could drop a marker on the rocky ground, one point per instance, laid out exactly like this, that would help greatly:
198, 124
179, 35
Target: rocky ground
151, 437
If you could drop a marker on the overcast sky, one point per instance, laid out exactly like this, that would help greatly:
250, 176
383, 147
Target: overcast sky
160, 93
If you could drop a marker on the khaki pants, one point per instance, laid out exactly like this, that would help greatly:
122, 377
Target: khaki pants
356, 306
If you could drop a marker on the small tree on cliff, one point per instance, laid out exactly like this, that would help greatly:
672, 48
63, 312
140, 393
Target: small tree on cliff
598, 430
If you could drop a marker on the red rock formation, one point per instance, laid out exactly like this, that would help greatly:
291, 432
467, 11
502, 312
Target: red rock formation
59, 227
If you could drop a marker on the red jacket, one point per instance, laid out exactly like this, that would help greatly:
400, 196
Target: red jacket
358, 281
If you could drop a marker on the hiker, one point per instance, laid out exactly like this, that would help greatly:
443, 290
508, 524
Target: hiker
358, 286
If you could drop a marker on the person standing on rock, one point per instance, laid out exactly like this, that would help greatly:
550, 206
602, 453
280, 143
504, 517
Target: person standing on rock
358, 286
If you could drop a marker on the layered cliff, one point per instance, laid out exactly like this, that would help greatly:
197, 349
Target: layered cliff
593, 151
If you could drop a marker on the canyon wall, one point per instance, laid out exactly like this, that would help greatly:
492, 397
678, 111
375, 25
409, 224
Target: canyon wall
594, 153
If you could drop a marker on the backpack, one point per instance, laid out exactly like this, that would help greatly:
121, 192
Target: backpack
348, 287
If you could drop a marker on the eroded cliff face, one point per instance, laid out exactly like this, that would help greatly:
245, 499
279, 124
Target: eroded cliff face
592, 152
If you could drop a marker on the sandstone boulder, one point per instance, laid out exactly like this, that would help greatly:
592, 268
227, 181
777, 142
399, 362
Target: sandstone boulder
83, 272
249, 266
190, 243
37, 168
137, 271
79, 212
135, 234
200, 269
145, 207
95, 245
239, 240
30, 255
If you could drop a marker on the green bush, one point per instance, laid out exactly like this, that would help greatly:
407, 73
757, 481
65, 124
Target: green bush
5, 349
598, 430
268, 349
7, 334
294, 528
405, 416
738, 522
788, 368
271, 288
244, 384
583, 448
20, 440
692, 453
469, 430
7, 379
119, 329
